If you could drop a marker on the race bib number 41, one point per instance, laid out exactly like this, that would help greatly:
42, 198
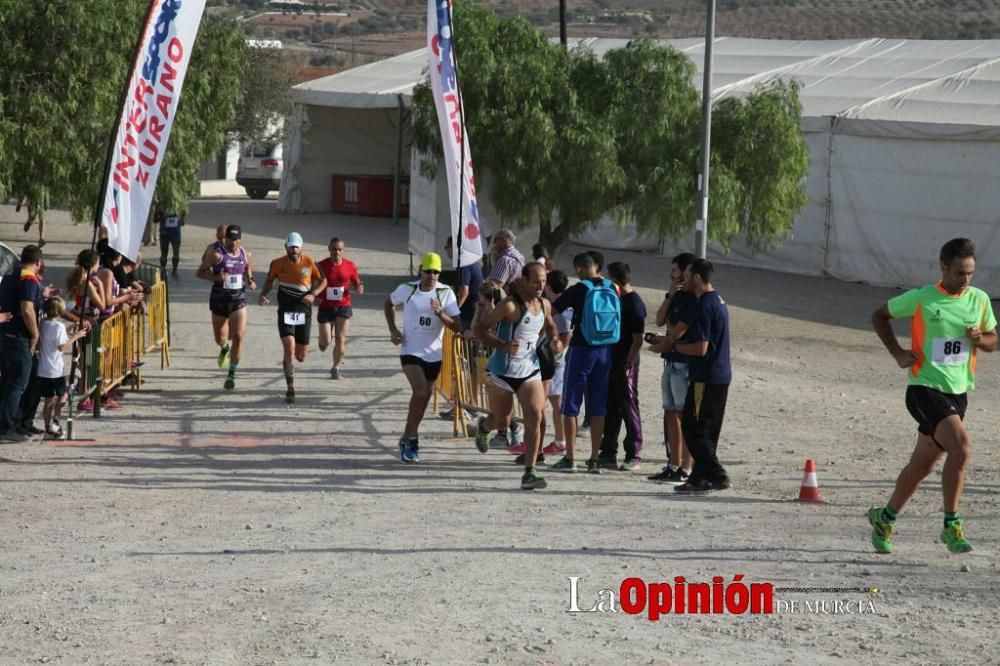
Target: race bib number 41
948, 351
295, 318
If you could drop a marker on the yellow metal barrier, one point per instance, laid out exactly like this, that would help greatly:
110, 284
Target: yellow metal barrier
462, 381
157, 320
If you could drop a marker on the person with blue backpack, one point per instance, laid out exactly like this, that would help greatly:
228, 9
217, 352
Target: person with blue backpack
597, 318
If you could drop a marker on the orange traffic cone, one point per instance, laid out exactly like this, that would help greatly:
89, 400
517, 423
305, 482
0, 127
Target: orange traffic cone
810, 487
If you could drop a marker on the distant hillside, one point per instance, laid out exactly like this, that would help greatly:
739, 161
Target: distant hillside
332, 33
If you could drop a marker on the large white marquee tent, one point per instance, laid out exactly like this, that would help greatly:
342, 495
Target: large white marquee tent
904, 138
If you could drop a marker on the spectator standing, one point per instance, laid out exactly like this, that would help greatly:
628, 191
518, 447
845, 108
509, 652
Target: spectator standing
509, 262
710, 373
20, 295
623, 390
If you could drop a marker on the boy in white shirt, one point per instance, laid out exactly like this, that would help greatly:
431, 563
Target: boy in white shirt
53, 341
427, 308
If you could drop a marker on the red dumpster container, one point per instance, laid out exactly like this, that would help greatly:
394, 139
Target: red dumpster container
368, 195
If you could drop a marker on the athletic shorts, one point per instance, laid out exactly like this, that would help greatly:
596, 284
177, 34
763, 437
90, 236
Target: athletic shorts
300, 331
50, 387
588, 371
431, 368
171, 238
929, 407
327, 315
512, 384
556, 387
674, 385
226, 307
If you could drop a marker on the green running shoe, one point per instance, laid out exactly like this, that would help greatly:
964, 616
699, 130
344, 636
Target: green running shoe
482, 436
230, 383
224, 355
532, 481
881, 530
953, 536
564, 465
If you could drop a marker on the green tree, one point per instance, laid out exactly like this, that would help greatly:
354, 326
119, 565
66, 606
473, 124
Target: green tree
264, 96
562, 138
62, 69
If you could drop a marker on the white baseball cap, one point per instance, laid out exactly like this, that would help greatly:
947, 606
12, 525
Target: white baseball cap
294, 239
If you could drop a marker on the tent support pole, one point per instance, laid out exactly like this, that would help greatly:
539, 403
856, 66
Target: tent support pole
397, 179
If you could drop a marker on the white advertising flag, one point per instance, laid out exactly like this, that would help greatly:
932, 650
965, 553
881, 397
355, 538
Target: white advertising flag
448, 102
146, 118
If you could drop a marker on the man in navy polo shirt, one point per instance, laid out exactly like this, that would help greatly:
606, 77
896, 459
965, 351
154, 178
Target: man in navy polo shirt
707, 346
21, 296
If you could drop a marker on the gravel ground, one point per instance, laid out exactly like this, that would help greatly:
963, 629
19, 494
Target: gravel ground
204, 527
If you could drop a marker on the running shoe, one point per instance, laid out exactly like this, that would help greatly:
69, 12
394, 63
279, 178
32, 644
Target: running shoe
13, 436
411, 452
953, 536
532, 481
500, 441
58, 435
605, 462
670, 475
230, 383
54, 431
554, 448
882, 531
86, 405
540, 460
402, 449
515, 449
449, 414
482, 436
516, 433
631, 464
702, 487
564, 465
334, 373
595, 466
224, 355
290, 396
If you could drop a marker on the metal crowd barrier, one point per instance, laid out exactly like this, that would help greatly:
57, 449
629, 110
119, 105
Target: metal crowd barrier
462, 381
114, 350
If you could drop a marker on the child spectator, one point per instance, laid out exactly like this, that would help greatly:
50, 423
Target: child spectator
51, 368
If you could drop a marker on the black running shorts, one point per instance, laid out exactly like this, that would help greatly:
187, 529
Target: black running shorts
431, 369
929, 406
300, 331
327, 315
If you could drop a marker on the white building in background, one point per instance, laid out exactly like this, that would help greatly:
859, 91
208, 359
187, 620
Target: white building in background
223, 166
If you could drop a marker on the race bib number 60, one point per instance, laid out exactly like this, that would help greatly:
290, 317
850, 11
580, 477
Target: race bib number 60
950, 351
295, 318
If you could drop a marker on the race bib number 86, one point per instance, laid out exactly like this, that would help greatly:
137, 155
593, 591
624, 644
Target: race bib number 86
948, 351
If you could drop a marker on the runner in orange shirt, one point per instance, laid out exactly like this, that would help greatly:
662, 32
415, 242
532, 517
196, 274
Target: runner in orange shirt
299, 283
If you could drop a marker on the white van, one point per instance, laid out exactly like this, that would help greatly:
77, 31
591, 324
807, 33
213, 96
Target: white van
259, 169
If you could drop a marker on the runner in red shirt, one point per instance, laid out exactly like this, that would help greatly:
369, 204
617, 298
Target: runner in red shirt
335, 304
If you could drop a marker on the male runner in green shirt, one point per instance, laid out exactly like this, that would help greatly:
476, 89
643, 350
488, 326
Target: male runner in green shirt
950, 322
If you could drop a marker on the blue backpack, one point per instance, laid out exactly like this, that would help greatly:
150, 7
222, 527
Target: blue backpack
601, 319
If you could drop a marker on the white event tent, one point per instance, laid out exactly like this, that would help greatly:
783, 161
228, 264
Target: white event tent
904, 138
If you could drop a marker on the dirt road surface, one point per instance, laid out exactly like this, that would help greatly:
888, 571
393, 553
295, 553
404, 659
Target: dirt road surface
207, 527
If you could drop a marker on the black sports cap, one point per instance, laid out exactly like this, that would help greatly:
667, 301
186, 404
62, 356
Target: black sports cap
233, 232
